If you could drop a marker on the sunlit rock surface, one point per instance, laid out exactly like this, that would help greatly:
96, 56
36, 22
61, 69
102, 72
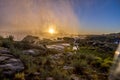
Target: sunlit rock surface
58, 47
31, 39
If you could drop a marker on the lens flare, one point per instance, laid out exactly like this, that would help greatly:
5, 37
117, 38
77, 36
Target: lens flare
117, 52
115, 69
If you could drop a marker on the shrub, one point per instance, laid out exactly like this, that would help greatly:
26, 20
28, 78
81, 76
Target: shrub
97, 62
1, 37
19, 76
80, 66
7, 43
0, 43
59, 74
105, 65
10, 37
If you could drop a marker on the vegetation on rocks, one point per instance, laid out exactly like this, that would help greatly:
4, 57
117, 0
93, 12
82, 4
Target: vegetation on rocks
92, 61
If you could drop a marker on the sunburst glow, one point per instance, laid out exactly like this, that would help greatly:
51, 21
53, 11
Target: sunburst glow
51, 31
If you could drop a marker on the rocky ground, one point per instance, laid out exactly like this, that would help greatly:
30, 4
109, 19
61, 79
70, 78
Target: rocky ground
9, 64
35, 59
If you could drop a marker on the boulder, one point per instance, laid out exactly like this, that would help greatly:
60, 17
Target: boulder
31, 39
49, 78
56, 56
9, 64
29, 52
4, 50
34, 52
68, 67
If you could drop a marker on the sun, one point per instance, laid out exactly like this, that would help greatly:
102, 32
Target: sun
51, 31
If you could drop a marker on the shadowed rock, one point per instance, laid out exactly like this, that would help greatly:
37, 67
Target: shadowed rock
9, 64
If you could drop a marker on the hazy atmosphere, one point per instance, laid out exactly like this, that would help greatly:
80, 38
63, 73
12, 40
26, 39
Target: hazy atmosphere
77, 16
59, 39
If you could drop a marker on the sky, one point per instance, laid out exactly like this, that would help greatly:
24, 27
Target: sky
66, 16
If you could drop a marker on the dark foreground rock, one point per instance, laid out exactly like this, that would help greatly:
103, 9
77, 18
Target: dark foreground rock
9, 64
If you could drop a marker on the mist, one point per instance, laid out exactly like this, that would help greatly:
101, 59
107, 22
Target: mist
35, 16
